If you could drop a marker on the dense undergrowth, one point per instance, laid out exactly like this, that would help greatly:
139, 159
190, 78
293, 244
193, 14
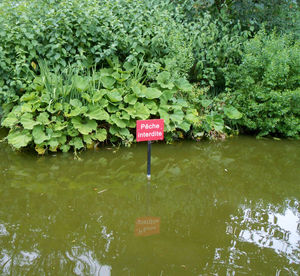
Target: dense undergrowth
74, 74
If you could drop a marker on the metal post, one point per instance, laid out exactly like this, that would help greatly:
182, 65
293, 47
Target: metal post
148, 197
149, 161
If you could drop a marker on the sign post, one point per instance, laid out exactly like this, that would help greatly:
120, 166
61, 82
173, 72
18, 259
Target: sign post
149, 161
149, 130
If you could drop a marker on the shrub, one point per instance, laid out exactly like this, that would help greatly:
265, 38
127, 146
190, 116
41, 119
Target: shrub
70, 109
252, 14
265, 86
86, 33
74, 109
217, 44
217, 117
284, 16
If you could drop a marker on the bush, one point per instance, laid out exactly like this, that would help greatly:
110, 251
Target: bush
252, 14
284, 16
217, 44
86, 33
73, 109
265, 86
69, 109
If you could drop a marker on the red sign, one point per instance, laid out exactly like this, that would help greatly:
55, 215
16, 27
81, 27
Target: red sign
149, 130
147, 226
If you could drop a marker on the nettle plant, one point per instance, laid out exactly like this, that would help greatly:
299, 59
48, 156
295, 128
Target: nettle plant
217, 45
86, 33
72, 109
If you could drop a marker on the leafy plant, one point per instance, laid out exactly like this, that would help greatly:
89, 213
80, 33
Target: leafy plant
217, 44
89, 34
265, 86
69, 109
217, 117
252, 14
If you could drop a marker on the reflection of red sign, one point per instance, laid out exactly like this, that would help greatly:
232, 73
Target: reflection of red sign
149, 130
147, 226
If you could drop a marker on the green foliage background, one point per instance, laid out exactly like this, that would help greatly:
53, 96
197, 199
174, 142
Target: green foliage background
74, 74
265, 86
86, 33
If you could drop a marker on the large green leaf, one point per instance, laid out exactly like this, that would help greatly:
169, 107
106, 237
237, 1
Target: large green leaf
151, 93
137, 89
87, 97
205, 103
19, 139
27, 107
177, 116
58, 107
28, 97
119, 122
131, 111
77, 111
183, 85
100, 135
27, 121
112, 108
107, 81
39, 135
152, 106
123, 115
98, 95
75, 103
81, 83
71, 131
106, 72
167, 95
114, 96
128, 66
59, 125
232, 113
53, 144
181, 102
185, 126
163, 79
164, 114
97, 113
76, 143
88, 139
65, 148
120, 132
130, 99
84, 126
103, 102
141, 111
192, 116
43, 118
215, 121
10, 120
147, 92
53, 134
62, 139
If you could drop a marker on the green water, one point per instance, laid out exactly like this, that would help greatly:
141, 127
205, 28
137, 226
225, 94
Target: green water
221, 208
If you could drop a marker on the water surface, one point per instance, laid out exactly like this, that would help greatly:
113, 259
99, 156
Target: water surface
223, 208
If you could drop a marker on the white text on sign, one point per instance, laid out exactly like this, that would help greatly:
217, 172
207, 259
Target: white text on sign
148, 130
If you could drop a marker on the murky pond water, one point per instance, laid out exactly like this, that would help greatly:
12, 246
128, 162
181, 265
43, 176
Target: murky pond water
219, 208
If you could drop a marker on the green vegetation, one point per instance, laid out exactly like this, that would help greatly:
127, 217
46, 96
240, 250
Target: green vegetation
66, 109
266, 86
74, 74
